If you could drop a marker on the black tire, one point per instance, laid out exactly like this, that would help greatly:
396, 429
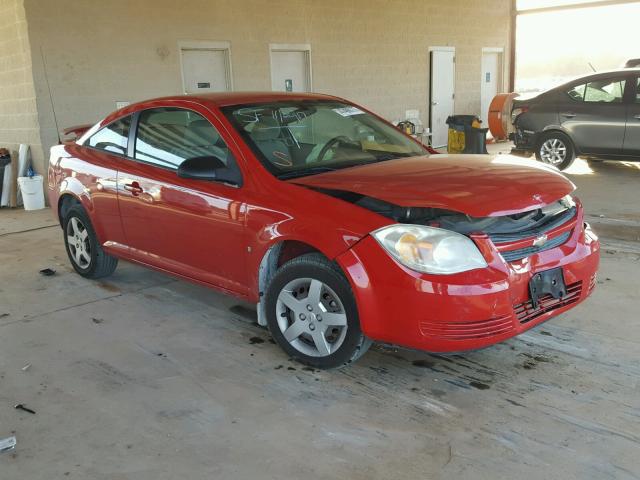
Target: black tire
570, 151
99, 264
317, 267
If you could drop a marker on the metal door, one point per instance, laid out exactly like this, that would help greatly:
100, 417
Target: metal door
491, 82
442, 93
290, 71
205, 71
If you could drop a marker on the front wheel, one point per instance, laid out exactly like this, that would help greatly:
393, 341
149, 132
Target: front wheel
555, 148
312, 314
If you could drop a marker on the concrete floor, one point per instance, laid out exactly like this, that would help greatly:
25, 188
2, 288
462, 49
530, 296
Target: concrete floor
142, 376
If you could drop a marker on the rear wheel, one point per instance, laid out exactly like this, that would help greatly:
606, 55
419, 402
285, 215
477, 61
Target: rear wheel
555, 148
83, 248
312, 314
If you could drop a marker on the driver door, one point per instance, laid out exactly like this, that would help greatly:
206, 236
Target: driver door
193, 228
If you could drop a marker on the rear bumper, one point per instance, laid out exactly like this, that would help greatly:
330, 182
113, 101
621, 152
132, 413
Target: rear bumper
524, 141
470, 310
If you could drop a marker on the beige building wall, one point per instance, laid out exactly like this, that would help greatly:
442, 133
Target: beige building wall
371, 51
18, 114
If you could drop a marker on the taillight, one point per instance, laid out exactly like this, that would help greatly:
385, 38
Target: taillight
516, 112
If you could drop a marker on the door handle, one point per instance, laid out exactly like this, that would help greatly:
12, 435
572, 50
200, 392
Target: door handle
134, 188
637, 117
434, 103
568, 114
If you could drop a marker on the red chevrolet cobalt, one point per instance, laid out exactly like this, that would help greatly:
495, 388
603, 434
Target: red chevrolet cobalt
339, 227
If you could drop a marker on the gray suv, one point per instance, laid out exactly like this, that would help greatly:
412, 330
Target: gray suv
597, 116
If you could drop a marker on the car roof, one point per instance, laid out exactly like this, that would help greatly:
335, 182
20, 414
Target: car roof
221, 99
602, 74
237, 98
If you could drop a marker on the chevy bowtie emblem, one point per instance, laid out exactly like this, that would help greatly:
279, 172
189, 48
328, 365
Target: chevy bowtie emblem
540, 241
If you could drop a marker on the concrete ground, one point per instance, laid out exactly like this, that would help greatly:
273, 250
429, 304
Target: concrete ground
142, 376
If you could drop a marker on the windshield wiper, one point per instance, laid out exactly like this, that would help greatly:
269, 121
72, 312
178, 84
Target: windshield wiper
305, 172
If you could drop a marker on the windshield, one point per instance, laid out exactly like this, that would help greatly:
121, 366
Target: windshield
299, 138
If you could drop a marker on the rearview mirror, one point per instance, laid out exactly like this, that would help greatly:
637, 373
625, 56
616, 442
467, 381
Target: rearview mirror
209, 168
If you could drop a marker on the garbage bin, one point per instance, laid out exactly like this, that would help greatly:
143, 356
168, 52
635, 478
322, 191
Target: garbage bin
464, 137
4, 161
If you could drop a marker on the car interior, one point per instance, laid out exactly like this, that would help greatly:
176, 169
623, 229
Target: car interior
298, 137
267, 136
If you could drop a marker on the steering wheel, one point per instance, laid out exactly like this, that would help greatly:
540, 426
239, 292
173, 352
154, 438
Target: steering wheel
330, 144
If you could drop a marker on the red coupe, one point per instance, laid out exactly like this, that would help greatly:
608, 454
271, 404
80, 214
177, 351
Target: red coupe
342, 229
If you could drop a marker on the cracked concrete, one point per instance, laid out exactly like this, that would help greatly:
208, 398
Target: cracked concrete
141, 376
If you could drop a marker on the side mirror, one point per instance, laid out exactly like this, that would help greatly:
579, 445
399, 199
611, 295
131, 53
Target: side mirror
209, 168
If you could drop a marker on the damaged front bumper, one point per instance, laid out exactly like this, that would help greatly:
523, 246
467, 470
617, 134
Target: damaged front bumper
469, 310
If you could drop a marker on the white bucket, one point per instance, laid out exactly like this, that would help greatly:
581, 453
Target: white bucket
32, 193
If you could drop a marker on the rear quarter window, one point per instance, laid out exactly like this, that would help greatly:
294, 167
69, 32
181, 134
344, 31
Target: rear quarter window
113, 138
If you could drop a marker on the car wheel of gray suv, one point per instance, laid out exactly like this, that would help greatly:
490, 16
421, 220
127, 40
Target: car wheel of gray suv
312, 313
555, 148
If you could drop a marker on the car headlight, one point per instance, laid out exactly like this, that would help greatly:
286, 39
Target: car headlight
429, 249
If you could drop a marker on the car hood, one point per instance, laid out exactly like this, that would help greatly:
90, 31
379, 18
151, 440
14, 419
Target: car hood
477, 185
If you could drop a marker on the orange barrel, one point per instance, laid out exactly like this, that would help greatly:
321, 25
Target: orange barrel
500, 115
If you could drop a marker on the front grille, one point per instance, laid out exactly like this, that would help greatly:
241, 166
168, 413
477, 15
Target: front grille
549, 225
525, 312
519, 254
502, 240
467, 330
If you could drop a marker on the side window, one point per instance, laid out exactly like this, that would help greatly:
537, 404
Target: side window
638, 90
168, 136
577, 93
605, 91
112, 138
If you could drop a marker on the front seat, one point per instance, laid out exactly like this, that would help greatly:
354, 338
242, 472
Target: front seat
266, 135
206, 140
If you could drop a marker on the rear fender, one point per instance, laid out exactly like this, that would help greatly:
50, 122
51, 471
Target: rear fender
62, 183
71, 187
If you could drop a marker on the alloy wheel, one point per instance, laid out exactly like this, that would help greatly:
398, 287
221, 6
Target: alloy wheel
78, 243
553, 151
311, 317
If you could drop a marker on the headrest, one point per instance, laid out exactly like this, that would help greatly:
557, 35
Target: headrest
266, 129
205, 130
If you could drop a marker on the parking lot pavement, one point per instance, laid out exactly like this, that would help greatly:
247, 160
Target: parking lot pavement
141, 376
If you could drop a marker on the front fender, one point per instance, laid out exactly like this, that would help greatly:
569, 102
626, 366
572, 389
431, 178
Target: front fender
268, 248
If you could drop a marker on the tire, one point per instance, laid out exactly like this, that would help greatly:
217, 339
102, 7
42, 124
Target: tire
555, 148
323, 332
83, 248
